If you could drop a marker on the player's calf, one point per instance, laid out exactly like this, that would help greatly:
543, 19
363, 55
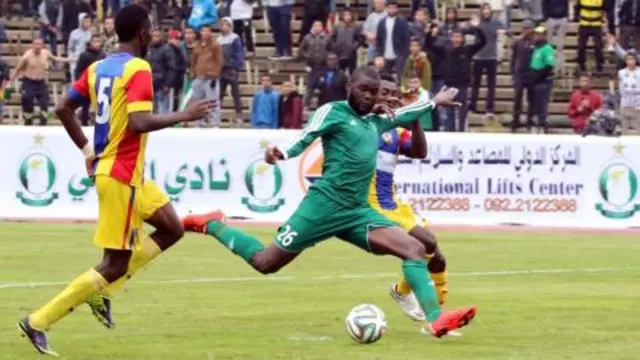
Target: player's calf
114, 265
271, 259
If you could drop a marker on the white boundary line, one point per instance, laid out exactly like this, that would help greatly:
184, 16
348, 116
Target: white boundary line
316, 278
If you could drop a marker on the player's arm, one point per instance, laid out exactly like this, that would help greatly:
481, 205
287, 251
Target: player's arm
139, 102
414, 144
21, 64
319, 124
78, 95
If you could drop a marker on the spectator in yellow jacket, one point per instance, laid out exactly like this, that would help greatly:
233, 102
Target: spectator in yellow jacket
417, 63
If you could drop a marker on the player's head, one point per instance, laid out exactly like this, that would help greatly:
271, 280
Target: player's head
456, 37
389, 92
332, 61
363, 88
133, 28
37, 45
109, 25
96, 42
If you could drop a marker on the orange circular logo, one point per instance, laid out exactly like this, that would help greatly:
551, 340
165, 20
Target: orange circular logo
310, 167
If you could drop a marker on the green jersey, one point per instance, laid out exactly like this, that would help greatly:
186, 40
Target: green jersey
350, 145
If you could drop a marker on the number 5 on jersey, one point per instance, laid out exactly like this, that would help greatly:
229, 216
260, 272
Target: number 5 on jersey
103, 100
286, 236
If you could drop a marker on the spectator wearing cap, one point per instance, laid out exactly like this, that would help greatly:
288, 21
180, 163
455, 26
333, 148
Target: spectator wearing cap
456, 71
206, 64
290, 107
164, 69
241, 12
175, 44
392, 39
279, 15
370, 28
520, 61
417, 65
264, 108
232, 65
540, 76
582, 104
629, 88
203, 13
313, 50
557, 14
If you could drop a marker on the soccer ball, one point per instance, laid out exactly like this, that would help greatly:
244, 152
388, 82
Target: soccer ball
366, 323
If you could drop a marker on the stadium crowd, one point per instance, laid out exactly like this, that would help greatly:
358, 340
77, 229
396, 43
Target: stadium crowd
424, 54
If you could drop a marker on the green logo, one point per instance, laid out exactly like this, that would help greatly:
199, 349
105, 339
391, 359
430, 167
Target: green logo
78, 187
264, 183
37, 175
618, 187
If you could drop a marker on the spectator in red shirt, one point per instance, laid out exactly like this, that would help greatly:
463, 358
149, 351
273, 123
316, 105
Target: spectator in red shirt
583, 103
290, 107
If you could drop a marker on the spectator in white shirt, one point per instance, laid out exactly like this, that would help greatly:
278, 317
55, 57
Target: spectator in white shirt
629, 85
241, 13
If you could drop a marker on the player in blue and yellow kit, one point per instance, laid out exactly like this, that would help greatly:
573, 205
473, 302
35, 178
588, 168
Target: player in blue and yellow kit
120, 91
383, 198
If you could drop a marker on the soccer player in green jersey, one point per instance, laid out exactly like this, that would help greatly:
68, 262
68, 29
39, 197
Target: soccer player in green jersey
336, 205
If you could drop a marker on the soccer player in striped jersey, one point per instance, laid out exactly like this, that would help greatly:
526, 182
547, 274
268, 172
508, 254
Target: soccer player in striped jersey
120, 91
383, 198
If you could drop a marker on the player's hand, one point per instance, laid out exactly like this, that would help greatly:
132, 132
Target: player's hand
200, 109
384, 109
446, 97
88, 163
395, 103
272, 154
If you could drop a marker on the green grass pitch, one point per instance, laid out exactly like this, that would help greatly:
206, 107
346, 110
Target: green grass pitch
540, 296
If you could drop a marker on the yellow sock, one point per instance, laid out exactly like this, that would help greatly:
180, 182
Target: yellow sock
440, 280
147, 251
75, 294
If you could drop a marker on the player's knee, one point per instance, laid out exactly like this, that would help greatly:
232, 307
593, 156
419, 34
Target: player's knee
265, 265
112, 270
415, 250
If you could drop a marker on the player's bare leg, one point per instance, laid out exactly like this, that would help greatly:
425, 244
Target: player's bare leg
395, 241
168, 231
265, 260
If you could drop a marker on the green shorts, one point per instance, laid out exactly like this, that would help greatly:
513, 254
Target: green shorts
318, 218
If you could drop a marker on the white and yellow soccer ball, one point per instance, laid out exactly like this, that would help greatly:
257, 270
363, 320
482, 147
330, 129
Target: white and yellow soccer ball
366, 323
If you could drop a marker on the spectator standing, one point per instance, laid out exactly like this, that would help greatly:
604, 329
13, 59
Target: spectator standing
486, 60
417, 65
419, 26
232, 64
450, 24
590, 14
175, 44
582, 104
78, 40
520, 62
332, 82
456, 58
629, 87
279, 15
370, 28
31, 69
557, 14
50, 22
241, 12
164, 69
109, 37
5, 83
179, 14
392, 39
419, 5
189, 43
203, 14
314, 10
91, 54
264, 108
313, 50
290, 107
71, 10
540, 77
629, 18
345, 41
206, 64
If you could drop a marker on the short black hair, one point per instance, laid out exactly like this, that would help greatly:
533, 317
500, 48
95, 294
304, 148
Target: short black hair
392, 3
387, 77
414, 39
129, 21
366, 71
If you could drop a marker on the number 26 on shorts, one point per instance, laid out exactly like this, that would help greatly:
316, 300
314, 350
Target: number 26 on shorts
286, 235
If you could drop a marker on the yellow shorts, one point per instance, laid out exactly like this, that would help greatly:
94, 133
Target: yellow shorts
403, 215
121, 211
